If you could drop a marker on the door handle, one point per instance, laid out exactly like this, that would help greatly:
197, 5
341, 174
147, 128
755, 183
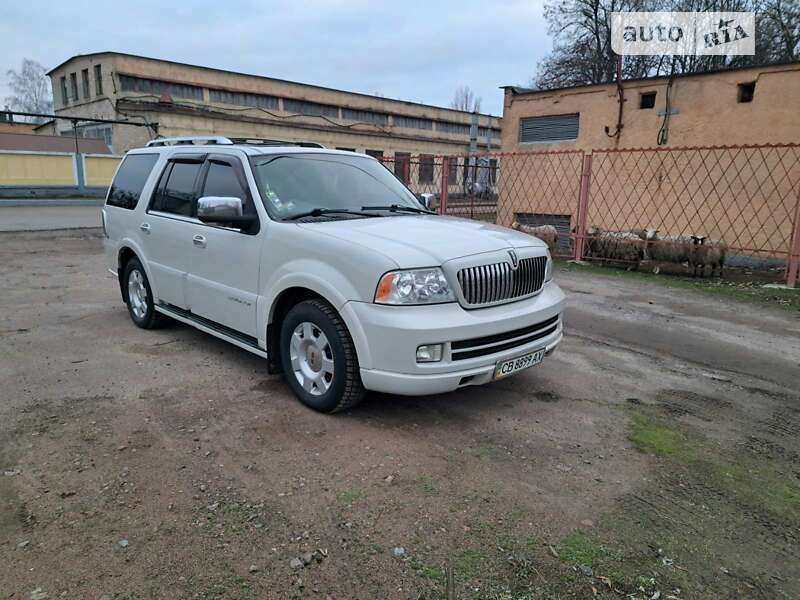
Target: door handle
199, 240
145, 227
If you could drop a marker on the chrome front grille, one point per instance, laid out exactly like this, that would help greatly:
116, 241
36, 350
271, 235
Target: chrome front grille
500, 282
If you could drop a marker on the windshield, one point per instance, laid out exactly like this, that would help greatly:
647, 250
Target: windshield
295, 184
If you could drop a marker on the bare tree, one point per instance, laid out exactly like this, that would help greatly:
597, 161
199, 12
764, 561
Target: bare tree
465, 99
778, 38
582, 54
31, 88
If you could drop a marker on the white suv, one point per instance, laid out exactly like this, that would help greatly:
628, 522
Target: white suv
325, 264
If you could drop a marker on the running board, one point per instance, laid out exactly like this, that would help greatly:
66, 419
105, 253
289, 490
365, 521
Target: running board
236, 338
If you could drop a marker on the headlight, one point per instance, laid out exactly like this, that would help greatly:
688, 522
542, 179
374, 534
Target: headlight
416, 286
548, 269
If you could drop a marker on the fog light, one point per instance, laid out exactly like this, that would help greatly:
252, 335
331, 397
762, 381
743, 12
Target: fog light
429, 353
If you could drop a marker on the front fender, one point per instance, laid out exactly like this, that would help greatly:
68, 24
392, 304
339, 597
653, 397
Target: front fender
322, 279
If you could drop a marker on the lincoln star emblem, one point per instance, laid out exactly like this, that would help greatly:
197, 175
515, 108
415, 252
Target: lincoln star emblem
514, 259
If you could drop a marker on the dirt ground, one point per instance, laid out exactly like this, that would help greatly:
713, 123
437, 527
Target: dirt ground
654, 455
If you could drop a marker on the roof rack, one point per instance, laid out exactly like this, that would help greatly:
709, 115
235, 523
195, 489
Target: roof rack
189, 140
267, 142
226, 141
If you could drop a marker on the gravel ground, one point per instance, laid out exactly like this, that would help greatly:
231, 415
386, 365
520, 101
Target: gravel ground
655, 452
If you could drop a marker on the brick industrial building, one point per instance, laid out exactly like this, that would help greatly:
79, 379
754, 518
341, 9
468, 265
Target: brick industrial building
757, 105
193, 100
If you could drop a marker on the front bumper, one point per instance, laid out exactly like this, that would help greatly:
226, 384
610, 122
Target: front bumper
386, 339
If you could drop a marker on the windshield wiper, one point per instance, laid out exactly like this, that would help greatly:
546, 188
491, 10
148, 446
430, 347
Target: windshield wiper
400, 208
318, 212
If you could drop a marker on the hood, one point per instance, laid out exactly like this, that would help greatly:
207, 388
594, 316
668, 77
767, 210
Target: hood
425, 240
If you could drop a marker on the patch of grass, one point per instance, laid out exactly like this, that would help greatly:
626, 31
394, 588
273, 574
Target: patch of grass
428, 486
579, 548
427, 571
761, 485
467, 564
756, 483
350, 496
731, 290
652, 435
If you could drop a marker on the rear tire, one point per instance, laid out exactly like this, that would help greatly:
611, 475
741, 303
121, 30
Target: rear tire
139, 297
319, 359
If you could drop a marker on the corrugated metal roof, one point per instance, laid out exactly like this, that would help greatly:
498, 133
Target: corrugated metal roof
51, 143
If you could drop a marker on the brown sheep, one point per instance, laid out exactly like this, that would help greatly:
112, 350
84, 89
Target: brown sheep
707, 252
547, 233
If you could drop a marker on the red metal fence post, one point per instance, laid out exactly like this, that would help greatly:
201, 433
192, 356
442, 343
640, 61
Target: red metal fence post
583, 206
793, 264
445, 183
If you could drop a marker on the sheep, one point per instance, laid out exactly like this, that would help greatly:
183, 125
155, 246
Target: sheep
671, 248
705, 252
547, 233
623, 246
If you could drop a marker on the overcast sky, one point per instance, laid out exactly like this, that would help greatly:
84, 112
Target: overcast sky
413, 50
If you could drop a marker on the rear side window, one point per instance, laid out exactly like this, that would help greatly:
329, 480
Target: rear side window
175, 192
130, 180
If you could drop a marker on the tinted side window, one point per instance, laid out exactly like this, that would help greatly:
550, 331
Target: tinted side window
130, 179
176, 191
222, 181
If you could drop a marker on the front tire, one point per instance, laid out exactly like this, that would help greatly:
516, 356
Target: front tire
319, 358
139, 296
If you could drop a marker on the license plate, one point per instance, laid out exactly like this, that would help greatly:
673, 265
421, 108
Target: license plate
508, 367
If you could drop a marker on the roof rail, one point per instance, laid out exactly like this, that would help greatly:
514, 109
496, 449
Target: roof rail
268, 142
189, 140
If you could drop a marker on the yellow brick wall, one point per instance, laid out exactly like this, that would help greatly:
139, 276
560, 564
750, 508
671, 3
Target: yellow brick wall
99, 170
36, 169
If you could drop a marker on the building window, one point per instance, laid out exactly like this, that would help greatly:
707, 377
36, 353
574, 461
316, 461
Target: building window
85, 83
73, 83
402, 163
347, 149
311, 109
746, 91
647, 100
412, 122
243, 99
425, 168
64, 96
549, 129
448, 127
486, 131
98, 80
452, 170
365, 116
156, 87
375, 154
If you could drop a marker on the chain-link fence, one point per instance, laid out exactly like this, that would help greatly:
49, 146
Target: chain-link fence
701, 207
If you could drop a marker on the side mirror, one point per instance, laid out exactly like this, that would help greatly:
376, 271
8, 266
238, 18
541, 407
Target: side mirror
427, 200
224, 210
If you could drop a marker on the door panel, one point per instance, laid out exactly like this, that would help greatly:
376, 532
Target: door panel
167, 253
222, 282
166, 230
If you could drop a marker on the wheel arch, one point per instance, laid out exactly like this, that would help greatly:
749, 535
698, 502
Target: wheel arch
282, 304
129, 249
